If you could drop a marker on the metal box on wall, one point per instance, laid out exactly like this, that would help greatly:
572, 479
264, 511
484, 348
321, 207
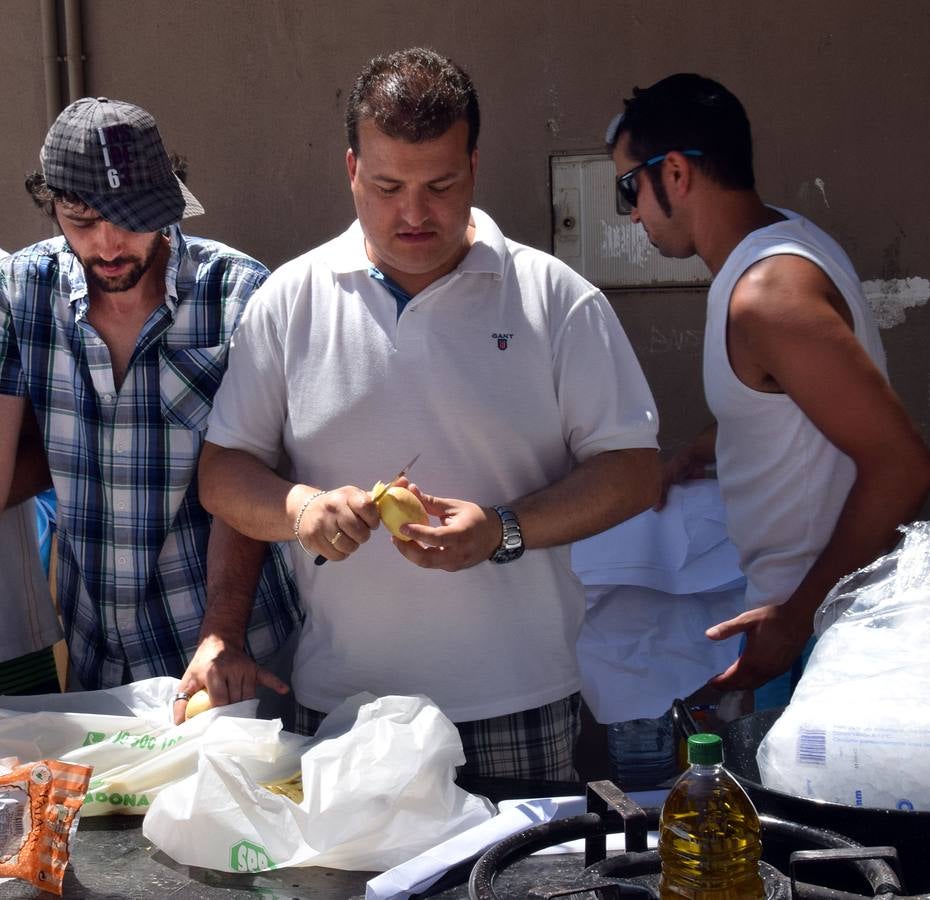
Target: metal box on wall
606, 248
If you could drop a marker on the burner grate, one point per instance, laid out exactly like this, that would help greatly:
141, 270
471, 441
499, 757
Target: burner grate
834, 867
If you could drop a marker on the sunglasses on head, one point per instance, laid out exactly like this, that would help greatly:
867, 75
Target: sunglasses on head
627, 189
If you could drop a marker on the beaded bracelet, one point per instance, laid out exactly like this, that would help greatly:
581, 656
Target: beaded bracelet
300, 516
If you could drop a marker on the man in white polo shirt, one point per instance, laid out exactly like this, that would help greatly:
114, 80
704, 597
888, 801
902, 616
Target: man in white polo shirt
422, 329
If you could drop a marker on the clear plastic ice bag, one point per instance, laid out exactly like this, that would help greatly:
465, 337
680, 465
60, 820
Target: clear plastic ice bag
857, 729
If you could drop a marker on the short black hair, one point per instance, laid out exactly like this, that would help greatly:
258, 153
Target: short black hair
415, 95
691, 112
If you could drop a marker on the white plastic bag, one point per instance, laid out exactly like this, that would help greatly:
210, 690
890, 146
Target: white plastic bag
378, 789
125, 734
857, 730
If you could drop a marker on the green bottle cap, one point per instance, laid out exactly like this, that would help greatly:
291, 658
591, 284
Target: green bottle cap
705, 749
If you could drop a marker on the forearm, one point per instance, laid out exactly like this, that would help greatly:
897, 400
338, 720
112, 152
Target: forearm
221, 664
599, 493
234, 564
704, 447
249, 496
692, 460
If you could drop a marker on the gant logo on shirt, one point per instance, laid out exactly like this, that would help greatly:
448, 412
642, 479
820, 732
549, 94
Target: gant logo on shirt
502, 340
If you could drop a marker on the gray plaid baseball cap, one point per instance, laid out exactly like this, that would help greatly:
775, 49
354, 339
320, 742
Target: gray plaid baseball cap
110, 154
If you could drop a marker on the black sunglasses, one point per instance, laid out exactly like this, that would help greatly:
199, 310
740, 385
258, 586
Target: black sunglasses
626, 183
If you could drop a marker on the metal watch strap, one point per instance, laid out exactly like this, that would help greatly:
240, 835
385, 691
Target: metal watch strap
511, 546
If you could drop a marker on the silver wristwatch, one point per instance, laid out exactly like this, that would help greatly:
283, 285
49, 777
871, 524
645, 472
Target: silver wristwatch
511, 546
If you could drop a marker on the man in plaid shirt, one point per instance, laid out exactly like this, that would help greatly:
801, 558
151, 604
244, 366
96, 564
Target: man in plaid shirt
116, 335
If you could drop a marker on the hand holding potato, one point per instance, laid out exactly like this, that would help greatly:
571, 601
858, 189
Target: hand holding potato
227, 672
466, 536
336, 522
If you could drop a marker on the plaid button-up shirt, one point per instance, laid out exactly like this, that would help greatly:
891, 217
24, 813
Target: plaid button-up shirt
132, 533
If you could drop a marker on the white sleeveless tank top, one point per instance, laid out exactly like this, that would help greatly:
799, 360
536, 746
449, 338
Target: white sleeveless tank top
783, 483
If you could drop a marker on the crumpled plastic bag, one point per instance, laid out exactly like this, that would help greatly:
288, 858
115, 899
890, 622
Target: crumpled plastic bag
126, 735
39, 806
378, 784
857, 729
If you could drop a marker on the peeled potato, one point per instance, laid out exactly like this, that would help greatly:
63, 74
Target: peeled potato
198, 703
292, 787
397, 507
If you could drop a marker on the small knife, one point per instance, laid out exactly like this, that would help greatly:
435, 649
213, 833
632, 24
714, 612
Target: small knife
384, 487
395, 479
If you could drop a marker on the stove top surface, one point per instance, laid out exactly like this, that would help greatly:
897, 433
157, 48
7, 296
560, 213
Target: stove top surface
111, 858
798, 860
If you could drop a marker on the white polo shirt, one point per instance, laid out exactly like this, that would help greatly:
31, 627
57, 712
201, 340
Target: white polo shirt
503, 375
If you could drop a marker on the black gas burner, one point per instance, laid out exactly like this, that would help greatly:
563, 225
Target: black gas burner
799, 861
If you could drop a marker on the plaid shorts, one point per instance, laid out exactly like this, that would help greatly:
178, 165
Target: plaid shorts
532, 744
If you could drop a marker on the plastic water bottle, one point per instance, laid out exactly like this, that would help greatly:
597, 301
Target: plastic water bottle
643, 752
709, 834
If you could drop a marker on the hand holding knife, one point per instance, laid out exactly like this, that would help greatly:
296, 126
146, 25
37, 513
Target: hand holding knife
375, 498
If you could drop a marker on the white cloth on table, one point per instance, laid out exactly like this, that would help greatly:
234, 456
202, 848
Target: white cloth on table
653, 585
423, 871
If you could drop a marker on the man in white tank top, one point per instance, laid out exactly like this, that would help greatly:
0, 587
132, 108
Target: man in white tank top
817, 459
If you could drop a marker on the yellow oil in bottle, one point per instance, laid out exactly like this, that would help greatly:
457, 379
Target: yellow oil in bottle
709, 834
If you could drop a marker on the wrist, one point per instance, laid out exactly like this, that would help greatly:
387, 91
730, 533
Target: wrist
221, 638
299, 515
302, 509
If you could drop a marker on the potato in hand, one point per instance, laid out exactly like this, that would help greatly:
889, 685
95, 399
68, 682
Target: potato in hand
398, 506
198, 703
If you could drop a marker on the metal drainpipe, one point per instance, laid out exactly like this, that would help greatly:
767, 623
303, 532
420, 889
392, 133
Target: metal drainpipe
50, 59
75, 49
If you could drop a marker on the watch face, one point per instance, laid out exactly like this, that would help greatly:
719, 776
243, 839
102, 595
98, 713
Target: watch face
512, 541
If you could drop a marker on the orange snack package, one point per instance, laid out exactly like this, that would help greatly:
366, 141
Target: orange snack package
38, 805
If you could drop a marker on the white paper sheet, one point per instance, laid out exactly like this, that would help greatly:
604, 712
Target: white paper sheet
422, 871
653, 586
683, 549
640, 649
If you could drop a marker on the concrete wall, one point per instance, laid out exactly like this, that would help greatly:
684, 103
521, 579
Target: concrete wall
253, 91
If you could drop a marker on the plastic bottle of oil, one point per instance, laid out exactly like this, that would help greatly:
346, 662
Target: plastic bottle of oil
709, 840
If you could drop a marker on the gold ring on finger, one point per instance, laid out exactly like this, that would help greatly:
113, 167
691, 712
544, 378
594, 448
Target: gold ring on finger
335, 538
